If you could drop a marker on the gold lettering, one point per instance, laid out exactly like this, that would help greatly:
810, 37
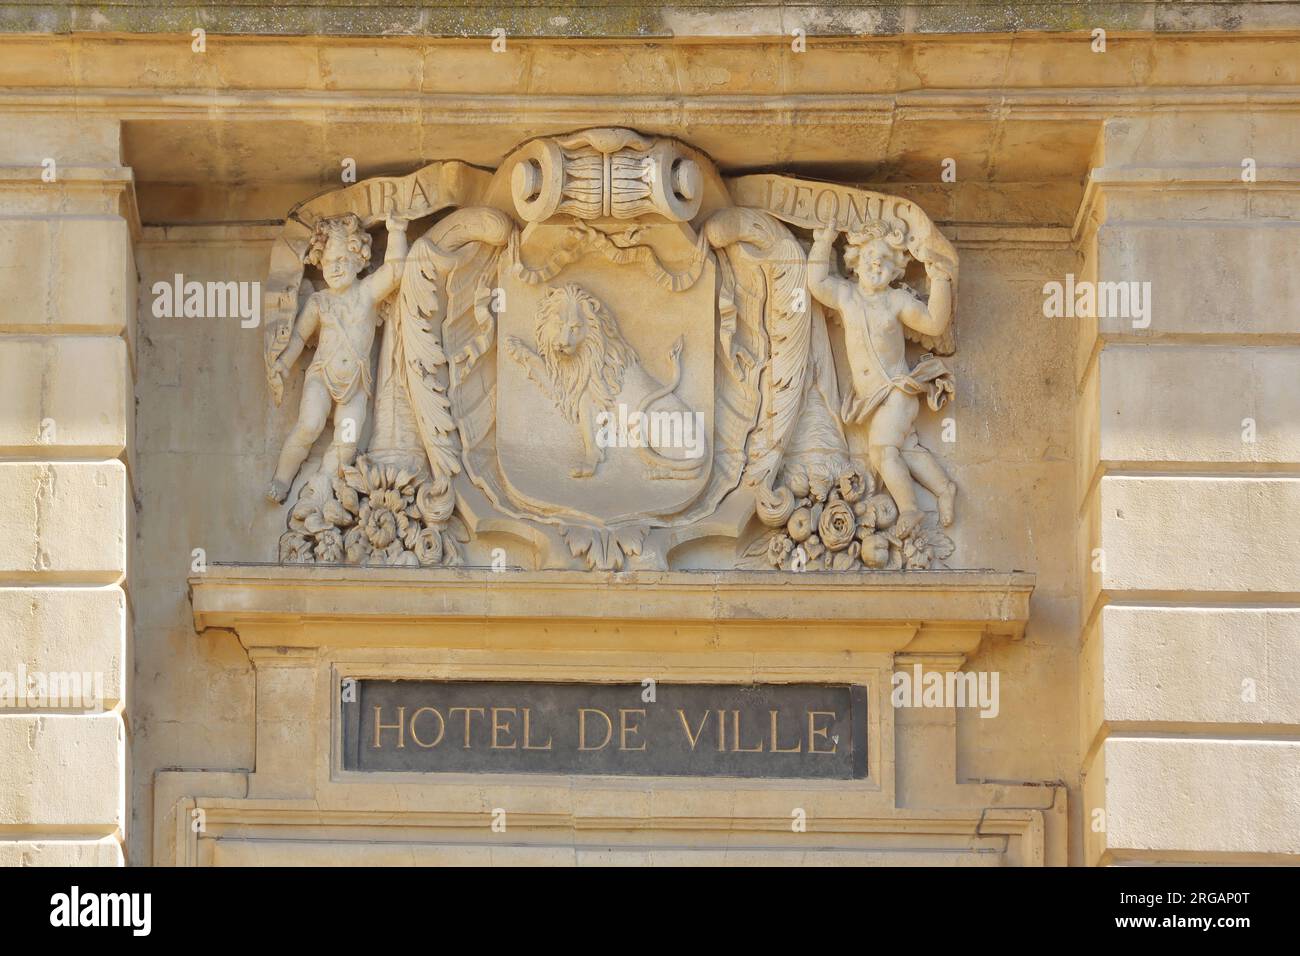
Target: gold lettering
467, 711
695, 738
735, 737
442, 727
497, 727
814, 731
624, 728
527, 745
722, 731
776, 747
400, 727
582, 727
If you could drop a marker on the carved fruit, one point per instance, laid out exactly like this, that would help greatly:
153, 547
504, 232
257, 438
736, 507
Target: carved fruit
800, 525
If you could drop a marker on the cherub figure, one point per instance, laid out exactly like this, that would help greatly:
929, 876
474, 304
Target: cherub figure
343, 316
876, 318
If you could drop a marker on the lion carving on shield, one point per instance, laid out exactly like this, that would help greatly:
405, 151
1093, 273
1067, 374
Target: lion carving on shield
596, 380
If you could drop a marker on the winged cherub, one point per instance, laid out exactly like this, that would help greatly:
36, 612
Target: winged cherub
878, 319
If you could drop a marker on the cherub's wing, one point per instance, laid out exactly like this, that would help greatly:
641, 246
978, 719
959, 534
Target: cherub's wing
944, 344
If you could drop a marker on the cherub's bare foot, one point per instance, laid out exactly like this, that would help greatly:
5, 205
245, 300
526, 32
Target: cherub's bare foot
277, 492
907, 522
947, 499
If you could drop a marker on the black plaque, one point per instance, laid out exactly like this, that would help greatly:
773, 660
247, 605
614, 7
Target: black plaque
815, 731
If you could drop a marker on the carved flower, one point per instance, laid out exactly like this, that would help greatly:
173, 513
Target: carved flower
800, 525
854, 484
837, 525
381, 524
779, 548
295, 548
814, 548
329, 546
428, 547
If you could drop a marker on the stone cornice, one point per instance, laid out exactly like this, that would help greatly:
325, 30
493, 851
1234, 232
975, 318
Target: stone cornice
307, 606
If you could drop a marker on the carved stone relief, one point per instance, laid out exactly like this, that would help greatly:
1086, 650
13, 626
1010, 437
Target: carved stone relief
606, 351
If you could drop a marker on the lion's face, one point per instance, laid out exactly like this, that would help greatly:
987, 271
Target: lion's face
565, 321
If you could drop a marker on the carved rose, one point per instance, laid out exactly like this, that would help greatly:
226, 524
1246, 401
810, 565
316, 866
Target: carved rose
800, 525
854, 485
837, 525
428, 546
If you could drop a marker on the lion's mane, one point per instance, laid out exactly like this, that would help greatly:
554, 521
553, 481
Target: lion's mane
597, 366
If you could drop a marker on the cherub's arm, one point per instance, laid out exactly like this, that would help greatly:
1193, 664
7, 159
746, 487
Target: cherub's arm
304, 327
931, 318
830, 290
387, 277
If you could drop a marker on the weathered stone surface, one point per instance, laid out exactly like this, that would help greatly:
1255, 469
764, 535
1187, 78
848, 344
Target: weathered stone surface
65, 395
1154, 534
1166, 797
1199, 404
62, 770
105, 852
66, 521
65, 631
1158, 666
66, 275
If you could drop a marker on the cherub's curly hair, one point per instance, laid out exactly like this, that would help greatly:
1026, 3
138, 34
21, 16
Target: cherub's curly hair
346, 227
892, 234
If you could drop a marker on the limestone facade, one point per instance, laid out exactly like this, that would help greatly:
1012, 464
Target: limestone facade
1096, 504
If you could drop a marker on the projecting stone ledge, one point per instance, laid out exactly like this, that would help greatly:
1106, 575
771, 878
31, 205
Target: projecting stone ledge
295, 606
